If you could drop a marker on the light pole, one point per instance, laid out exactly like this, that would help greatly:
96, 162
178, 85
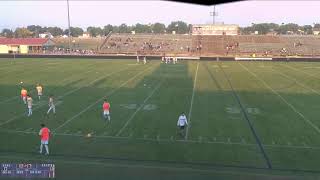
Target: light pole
69, 32
213, 14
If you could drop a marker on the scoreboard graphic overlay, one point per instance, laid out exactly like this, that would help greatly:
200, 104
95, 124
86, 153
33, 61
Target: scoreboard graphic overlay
25, 170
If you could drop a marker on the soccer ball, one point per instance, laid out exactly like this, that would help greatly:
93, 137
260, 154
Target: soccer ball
89, 135
21, 82
144, 84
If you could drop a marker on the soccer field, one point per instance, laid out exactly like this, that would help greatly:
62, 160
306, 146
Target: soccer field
247, 120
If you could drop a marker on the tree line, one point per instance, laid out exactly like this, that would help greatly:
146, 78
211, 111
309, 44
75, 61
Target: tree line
290, 28
179, 27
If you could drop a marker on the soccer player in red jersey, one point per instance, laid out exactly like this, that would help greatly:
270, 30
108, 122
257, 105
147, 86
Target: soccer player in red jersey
44, 136
106, 110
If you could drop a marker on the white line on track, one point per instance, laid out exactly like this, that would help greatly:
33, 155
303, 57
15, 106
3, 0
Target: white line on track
191, 103
283, 99
171, 140
138, 109
59, 97
93, 104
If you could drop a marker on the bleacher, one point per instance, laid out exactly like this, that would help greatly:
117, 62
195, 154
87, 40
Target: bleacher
188, 45
154, 44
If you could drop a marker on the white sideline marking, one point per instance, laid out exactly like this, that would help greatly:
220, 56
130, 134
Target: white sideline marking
140, 107
93, 104
191, 104
172, 139
284, 100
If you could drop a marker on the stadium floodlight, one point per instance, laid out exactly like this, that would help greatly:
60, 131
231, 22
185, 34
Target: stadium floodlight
214, 14
69, 31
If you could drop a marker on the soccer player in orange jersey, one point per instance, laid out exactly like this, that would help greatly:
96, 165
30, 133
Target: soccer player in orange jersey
106, 110
44, 136
24, 94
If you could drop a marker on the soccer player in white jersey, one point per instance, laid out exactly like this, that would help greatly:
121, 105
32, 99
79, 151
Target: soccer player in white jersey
144, 60
39, 90
29, 104
138, 58
51, 105
182, 122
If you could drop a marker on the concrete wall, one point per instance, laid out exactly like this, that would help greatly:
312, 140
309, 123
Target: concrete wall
24, 49
4, 49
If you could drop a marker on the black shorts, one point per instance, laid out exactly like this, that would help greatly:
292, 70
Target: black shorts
181, 127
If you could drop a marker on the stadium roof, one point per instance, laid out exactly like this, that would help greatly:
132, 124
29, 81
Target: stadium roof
24, 41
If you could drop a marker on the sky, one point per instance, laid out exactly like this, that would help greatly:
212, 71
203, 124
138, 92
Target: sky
99, 13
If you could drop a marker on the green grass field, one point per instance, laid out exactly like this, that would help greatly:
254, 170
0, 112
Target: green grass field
248, 120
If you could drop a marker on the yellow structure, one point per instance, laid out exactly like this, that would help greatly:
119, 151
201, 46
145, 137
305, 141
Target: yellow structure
24, 45
215, 29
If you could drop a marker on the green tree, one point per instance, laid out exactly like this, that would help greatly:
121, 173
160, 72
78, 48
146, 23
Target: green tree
316, 26
94, 31
8, 33
158, 28
142, 28
75, 31
179, 27
307, 29
55, 31
123, 28
285, 28
36, 30
107, 29
22, 33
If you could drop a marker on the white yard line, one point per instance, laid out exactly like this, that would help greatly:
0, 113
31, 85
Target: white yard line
191, 103
138, 109
9, 99
283, 99
64, 80
59, 97
97, 101
298, 70
296, 81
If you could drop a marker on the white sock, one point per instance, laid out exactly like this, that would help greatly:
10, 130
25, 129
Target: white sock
41, 146
47, 148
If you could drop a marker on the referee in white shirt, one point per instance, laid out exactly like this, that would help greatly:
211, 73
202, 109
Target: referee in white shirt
182, 122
